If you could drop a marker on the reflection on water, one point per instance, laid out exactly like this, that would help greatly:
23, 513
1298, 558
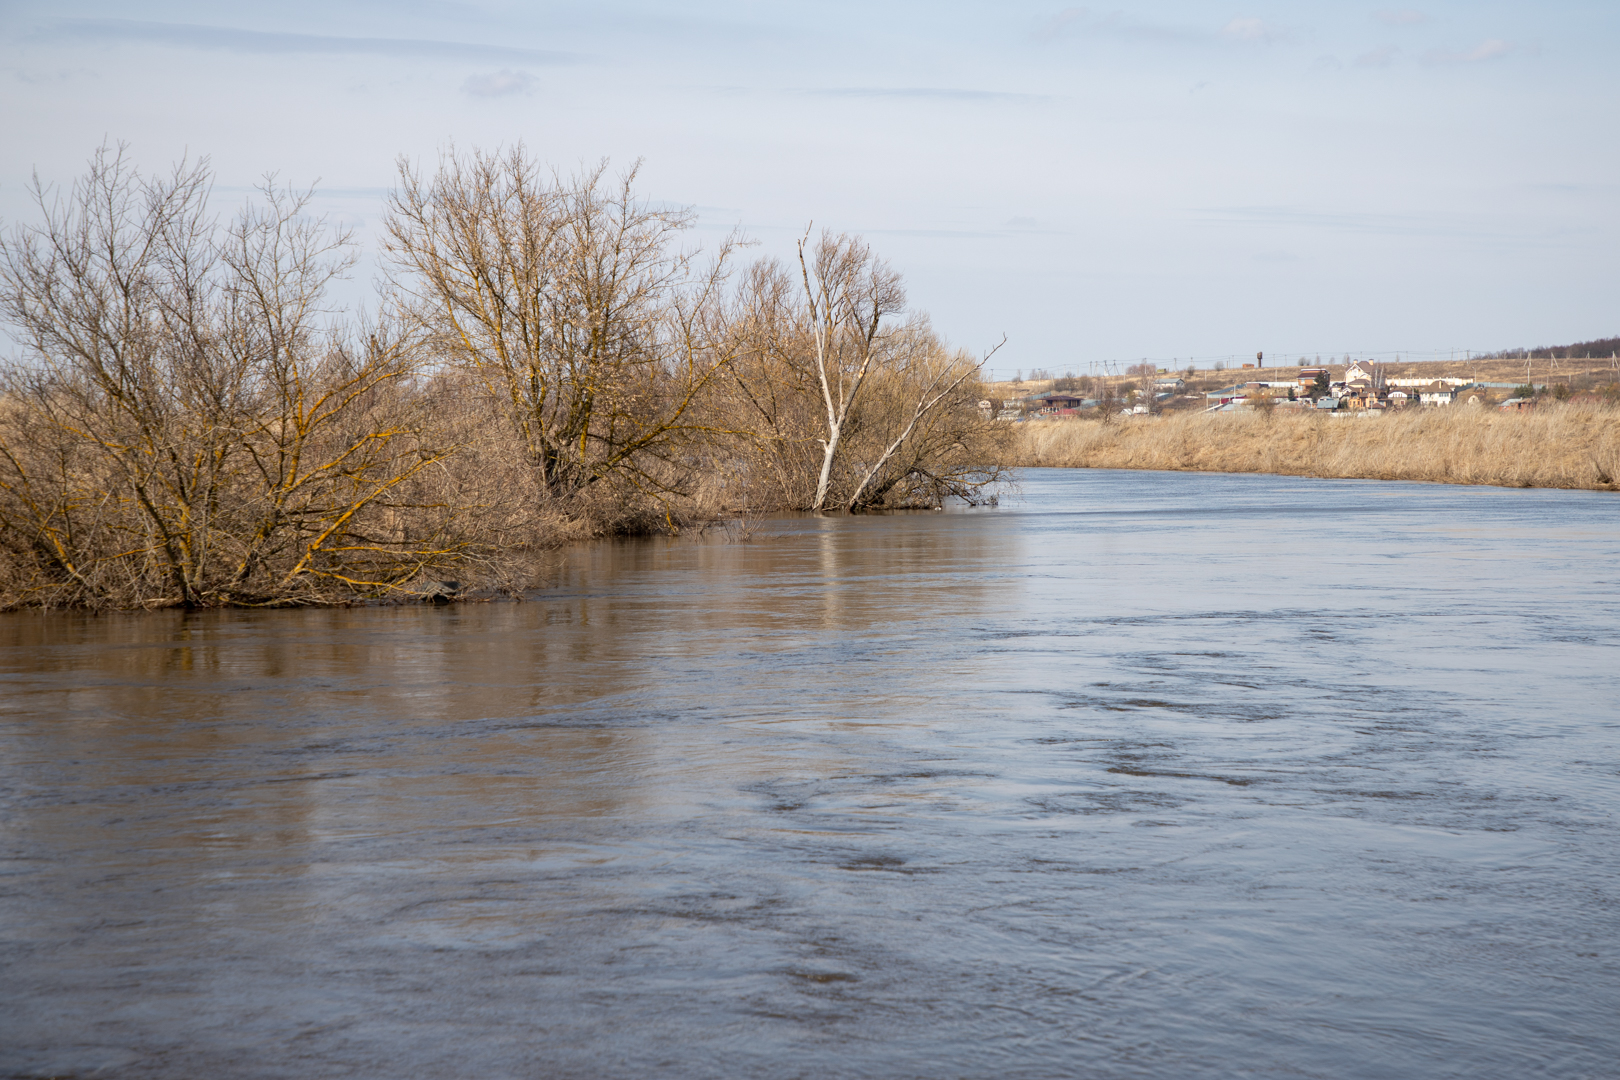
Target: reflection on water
1140, 775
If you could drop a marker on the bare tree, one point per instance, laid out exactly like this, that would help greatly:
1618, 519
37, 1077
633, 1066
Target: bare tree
946, 376
849, 294
909, 428
773, 396
1108, 399
572, 304
181, 425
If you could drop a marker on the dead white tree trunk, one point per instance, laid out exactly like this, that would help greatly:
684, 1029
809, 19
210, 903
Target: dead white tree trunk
849, 294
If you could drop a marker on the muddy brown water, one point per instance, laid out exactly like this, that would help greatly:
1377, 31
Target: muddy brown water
1136, 775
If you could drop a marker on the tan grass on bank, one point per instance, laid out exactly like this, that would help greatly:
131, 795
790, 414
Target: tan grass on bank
1568, 446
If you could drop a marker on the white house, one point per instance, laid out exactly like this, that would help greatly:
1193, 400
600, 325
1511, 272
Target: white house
1364, 375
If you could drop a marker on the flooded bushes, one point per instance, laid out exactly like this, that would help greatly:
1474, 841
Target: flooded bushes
646, 382
187, 421
591, 333
184, 426
835, 408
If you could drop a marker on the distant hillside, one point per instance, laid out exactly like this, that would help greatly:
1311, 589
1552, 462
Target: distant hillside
1600, 349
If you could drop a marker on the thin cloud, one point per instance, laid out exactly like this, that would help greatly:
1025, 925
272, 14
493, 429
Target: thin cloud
230, 39
1571, 189
1378, 58
1293, 217
66, 75
321, 192
499, 83
1250, 30
1400, 18
1057, 24
924, 93
1491, 49
934, 234
1083, 21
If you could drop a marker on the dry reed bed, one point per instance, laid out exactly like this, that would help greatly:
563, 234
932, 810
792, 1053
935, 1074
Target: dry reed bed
1568, 446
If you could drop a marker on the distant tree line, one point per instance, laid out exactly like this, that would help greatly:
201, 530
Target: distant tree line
1599, 349
187, 420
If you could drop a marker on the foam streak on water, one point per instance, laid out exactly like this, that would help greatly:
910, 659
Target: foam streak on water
1140, 775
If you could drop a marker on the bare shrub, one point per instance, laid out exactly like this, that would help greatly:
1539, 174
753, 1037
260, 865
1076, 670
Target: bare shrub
188, 423
591, 331
835, 404
182, 426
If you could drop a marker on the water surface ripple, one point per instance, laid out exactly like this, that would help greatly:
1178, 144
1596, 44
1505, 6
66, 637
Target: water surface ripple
1140, 775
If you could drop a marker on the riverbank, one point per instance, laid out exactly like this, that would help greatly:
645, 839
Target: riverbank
1569, 446
259, 447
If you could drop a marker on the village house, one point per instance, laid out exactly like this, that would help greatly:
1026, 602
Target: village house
1225, 396
1240, 393
1055, 403
1364, 375
1437, 393
1365, 389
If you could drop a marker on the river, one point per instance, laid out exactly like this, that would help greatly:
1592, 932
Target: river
1133, 775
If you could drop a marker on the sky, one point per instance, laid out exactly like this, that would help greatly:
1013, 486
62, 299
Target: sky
1171, 181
